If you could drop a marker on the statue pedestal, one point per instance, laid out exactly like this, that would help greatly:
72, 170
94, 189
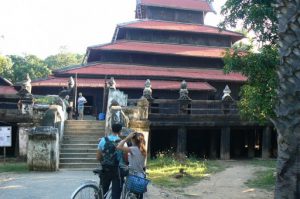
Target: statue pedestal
43, 149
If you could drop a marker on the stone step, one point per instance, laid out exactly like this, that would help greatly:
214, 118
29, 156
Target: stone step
84, 122
81, 141
78, 155
78, 160
77, 133
81, 166
84, 127
66, 131
76, 150
79, 146
82, 138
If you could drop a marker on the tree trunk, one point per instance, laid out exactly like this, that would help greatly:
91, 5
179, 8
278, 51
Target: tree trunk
287, 122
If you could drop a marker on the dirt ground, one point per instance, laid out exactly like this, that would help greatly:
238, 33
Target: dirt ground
228, 184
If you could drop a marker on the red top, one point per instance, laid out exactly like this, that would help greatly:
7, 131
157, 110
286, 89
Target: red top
171, 49
198, 5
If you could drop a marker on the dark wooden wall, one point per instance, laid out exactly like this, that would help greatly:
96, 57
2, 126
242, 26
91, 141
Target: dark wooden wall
154, 59
175, 37
167, 14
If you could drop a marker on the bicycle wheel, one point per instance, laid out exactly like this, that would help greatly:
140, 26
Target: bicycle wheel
108, 194
130, 195
87, 191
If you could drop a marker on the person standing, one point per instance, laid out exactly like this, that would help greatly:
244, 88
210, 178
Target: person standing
69, 107
137, 153
80, 105
111, 159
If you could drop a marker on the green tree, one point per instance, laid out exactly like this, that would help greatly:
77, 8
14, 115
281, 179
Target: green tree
256, 15
258, 96
287, 121
63, 59
30, 64
5, 67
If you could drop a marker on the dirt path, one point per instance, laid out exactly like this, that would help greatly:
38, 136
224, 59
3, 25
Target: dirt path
228, 184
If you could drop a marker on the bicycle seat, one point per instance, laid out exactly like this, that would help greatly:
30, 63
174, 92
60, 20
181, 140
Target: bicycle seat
97, 171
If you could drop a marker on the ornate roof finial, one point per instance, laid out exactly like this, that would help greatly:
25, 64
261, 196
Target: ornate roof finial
226, 93
147, 92
112, 83
71, 83
183, 93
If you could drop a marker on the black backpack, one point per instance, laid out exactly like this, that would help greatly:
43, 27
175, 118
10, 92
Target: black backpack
110, 153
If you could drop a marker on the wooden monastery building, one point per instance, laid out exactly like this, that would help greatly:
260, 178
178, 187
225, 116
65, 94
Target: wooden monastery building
168, 43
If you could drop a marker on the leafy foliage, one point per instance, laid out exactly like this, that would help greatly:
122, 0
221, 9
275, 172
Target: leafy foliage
46, 99
258, 96
15, 67
30, 64
5, 67
256, 15
63, 59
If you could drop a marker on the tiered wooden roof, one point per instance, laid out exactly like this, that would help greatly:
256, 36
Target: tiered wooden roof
6, 87
144, 72
197, 5
180, 27
133, 75
122, 83
169, 49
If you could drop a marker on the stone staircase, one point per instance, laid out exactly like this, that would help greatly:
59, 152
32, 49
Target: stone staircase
79, 145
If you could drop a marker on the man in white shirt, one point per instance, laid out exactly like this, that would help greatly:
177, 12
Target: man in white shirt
80, 105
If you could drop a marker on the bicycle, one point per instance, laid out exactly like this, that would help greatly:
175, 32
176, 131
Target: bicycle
134, 185
91, 190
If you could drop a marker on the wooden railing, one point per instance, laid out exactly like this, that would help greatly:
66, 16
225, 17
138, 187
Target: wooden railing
194, 107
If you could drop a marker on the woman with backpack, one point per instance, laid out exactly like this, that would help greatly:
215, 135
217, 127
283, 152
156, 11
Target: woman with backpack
137, 153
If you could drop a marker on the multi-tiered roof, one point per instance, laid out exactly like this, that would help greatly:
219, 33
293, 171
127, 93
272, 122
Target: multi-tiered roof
167, 43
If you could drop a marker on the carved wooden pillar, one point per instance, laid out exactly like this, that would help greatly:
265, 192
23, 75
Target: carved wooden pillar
213, 146
266, 142
181, 140
225, 143
251, 144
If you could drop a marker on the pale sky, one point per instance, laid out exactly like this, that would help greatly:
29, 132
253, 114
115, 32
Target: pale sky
42, 27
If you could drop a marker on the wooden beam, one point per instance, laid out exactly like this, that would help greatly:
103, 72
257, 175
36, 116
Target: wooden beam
251, 144
213, 146
225, 143
266, 142
181, 140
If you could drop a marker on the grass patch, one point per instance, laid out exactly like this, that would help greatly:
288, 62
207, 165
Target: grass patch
263, 179
18, 167
165, 171
270, 163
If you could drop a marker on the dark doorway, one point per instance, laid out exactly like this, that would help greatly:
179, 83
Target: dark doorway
203, 143
89, 106
163, 140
